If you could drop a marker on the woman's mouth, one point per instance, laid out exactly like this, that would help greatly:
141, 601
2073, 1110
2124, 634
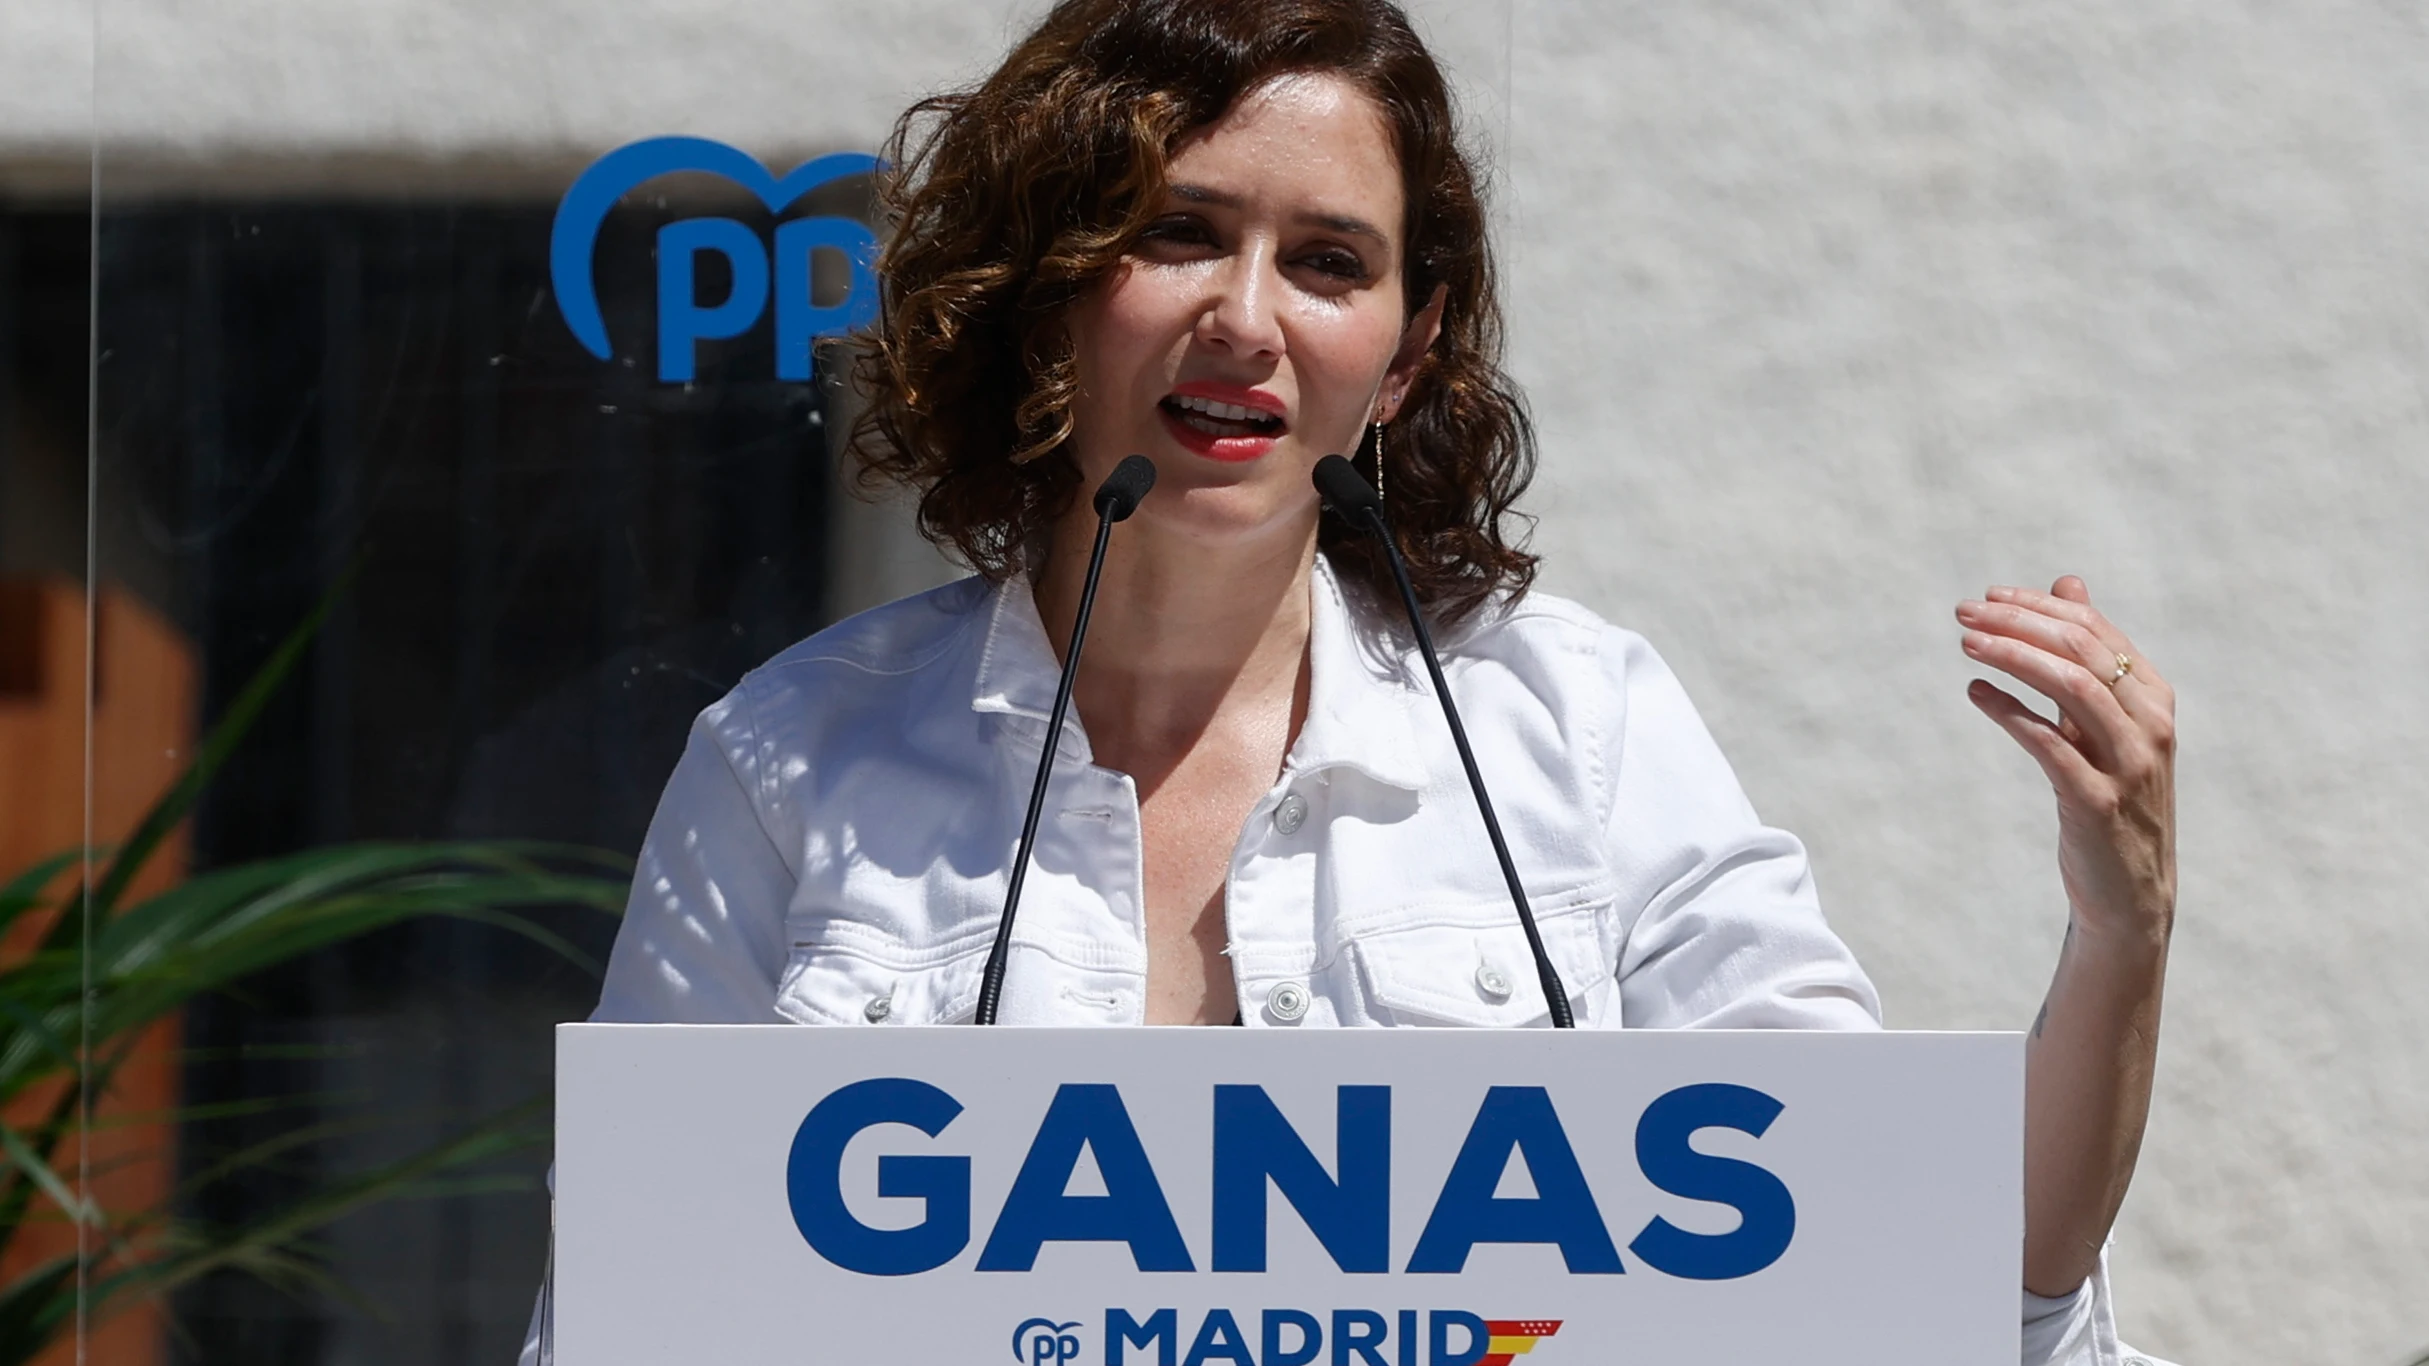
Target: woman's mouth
1219, 430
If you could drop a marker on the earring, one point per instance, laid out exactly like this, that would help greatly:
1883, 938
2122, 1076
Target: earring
1379, 428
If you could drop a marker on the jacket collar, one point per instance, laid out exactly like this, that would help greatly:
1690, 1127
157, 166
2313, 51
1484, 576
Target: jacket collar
1363, 692
1017, 667
1363, 695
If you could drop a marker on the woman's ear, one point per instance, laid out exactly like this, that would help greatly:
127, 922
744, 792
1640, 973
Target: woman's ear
1415, 340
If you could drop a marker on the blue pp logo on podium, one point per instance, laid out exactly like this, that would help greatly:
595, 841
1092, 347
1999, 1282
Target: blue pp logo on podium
1043, 1342
760, 270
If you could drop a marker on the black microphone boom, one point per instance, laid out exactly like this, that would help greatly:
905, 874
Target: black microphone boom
1124, 489
1351, 496
1116, 499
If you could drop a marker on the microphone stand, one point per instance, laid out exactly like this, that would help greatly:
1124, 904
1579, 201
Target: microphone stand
1340, 484
1115, 500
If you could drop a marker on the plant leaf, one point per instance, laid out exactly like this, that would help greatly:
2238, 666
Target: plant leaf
26, 1160
508, 1131
24, 891
34, 1306
37, 1031
212, 755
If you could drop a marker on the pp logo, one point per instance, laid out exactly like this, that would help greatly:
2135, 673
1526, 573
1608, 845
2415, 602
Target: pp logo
1038, 1341
683, 320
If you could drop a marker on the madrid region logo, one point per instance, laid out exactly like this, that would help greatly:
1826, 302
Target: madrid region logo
1514, 1338
1288, 1337
760, 271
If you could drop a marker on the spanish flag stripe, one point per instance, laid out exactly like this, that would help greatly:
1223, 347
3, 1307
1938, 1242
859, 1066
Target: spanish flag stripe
1509, 1338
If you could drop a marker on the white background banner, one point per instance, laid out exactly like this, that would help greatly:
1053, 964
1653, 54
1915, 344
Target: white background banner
755, 1195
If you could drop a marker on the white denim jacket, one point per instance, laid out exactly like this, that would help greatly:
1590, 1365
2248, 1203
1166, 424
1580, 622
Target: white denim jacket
833, 846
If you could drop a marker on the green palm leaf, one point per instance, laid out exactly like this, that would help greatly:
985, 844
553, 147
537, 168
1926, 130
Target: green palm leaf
23, 892
217, 746
194, 1251
104, 973
35, 1307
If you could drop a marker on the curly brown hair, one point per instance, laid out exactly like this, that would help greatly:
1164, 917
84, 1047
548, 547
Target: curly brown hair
1009, 199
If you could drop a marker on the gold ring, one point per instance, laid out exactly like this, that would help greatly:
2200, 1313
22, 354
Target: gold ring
2125, 665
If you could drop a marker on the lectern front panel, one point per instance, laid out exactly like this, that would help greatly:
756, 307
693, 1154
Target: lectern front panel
771, 1194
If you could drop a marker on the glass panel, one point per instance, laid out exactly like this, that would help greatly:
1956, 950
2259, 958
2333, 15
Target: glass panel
48, 814
445, 564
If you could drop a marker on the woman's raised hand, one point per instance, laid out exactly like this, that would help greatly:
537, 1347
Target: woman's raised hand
2111, 754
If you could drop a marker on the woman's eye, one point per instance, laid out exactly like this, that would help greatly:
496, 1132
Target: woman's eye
1181, 230
1339, 265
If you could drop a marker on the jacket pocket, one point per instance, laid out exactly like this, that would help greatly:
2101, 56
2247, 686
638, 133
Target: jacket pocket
1482, 976
843, 980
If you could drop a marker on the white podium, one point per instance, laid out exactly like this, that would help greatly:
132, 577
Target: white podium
756, 1195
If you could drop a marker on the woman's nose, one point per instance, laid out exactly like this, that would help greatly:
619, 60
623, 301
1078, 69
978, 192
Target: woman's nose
1239, 314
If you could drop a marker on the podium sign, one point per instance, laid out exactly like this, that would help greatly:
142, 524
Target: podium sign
756, 1195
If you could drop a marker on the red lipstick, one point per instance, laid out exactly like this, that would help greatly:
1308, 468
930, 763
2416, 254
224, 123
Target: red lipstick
1236, 444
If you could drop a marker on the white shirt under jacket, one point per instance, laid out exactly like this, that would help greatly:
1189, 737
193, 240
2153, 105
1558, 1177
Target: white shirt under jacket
832, 850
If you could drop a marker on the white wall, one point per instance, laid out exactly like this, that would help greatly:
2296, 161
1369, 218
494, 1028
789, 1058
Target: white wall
383, 96
386, 96
1831, 315
1836, 314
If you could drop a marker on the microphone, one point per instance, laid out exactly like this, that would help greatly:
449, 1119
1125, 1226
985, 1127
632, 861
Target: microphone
1350, 495
1115, 500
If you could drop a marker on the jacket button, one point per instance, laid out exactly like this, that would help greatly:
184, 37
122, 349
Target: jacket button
1490, 981
879, 1010
1288, 1002
1291, 814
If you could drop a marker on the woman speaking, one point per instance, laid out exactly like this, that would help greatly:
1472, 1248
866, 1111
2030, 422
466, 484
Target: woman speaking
1237, 236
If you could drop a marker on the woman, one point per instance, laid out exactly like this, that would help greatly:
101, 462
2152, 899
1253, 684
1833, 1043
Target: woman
1237, 235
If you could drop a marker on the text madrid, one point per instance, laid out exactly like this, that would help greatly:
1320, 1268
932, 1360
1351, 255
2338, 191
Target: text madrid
1254, 1146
